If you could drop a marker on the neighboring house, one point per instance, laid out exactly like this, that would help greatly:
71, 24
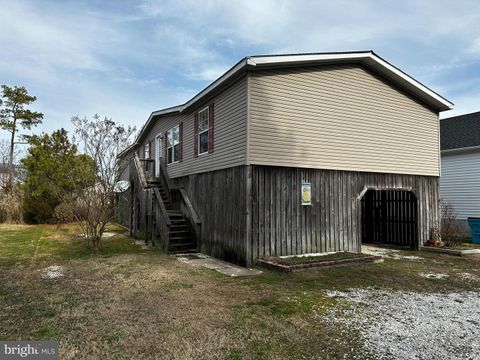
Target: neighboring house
290, 154
460, 153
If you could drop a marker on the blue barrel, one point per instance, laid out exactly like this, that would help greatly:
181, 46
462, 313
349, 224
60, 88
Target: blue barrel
474, 223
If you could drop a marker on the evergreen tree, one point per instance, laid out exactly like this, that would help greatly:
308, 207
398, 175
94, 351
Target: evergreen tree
14, 115
53, 168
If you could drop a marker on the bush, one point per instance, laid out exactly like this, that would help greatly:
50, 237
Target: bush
63, 213
450, 229
11, 210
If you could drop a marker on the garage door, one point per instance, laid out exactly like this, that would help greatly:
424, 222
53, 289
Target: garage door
389, 217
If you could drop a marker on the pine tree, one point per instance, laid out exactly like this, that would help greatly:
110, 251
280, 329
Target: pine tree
14, 115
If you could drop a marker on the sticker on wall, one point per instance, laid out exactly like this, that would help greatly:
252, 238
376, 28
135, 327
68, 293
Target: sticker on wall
306, 193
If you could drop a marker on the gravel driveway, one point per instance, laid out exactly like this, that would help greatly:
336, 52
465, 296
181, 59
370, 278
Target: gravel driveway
408, 325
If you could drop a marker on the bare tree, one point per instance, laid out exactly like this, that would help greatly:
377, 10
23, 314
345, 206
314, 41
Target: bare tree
11, 210
4, 161
102, 140
450, 228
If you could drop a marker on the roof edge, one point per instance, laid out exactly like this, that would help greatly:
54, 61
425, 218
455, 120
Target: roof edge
460, 149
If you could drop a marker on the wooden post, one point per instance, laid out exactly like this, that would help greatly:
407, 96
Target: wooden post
248, 215
131, 208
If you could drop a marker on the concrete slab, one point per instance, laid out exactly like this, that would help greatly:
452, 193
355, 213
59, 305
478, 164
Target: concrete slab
223, 267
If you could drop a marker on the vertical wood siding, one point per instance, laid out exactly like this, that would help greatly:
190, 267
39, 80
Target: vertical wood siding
282, 226
219, 199
342, 118
230, 133
460, 182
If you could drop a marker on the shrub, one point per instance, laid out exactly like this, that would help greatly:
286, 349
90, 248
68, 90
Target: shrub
11, 210
450, 229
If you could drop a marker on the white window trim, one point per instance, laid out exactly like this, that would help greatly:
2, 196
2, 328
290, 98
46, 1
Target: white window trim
145, 147
158, 154
207, 108
172, 146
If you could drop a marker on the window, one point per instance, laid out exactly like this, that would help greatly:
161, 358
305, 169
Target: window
203, 131
146, 151
173, 145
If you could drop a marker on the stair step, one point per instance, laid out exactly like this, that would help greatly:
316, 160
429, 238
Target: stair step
184, 246
179, 231
186, 251
179, 225
181, 239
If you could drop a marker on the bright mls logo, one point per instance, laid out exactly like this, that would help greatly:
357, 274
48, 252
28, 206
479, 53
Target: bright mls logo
39, 350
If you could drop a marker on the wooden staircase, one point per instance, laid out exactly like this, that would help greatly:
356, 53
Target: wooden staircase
181, 238
170, 220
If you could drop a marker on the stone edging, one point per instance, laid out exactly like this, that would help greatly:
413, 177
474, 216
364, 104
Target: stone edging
317, 264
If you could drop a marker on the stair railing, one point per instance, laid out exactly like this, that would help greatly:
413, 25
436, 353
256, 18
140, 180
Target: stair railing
162, 219
159, 211
140, 173
187, 209
182, 201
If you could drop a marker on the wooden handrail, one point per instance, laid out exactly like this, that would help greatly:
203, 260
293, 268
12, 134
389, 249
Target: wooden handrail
140, 173
189, 207
164, 174
161, 204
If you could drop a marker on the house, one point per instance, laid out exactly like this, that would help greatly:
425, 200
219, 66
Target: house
460, 154
290, 154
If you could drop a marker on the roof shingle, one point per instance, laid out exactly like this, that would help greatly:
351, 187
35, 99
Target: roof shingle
460, 131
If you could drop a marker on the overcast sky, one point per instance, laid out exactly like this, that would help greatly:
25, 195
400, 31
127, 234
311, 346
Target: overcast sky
125, 59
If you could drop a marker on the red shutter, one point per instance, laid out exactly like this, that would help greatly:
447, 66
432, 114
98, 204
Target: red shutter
211, 118
195, 135
180, 140
165, 146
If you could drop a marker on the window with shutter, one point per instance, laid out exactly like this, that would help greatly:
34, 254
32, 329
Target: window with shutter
180, 139
210, 128
203, 131
195, 135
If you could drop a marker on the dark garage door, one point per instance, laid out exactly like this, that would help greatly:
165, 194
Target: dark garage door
389, 217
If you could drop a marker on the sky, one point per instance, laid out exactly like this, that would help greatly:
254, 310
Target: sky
124, 58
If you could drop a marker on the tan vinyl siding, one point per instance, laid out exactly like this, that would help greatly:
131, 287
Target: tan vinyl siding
230, 109
339, 117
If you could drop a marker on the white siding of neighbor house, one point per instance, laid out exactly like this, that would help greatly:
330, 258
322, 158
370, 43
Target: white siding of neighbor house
230, 132
339, 117
460, 182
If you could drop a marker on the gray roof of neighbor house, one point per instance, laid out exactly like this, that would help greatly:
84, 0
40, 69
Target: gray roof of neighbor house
367, 58
459, 132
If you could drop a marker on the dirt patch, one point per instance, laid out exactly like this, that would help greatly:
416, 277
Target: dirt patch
52, 272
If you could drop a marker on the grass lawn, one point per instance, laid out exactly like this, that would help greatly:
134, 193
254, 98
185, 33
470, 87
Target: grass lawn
125, 302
